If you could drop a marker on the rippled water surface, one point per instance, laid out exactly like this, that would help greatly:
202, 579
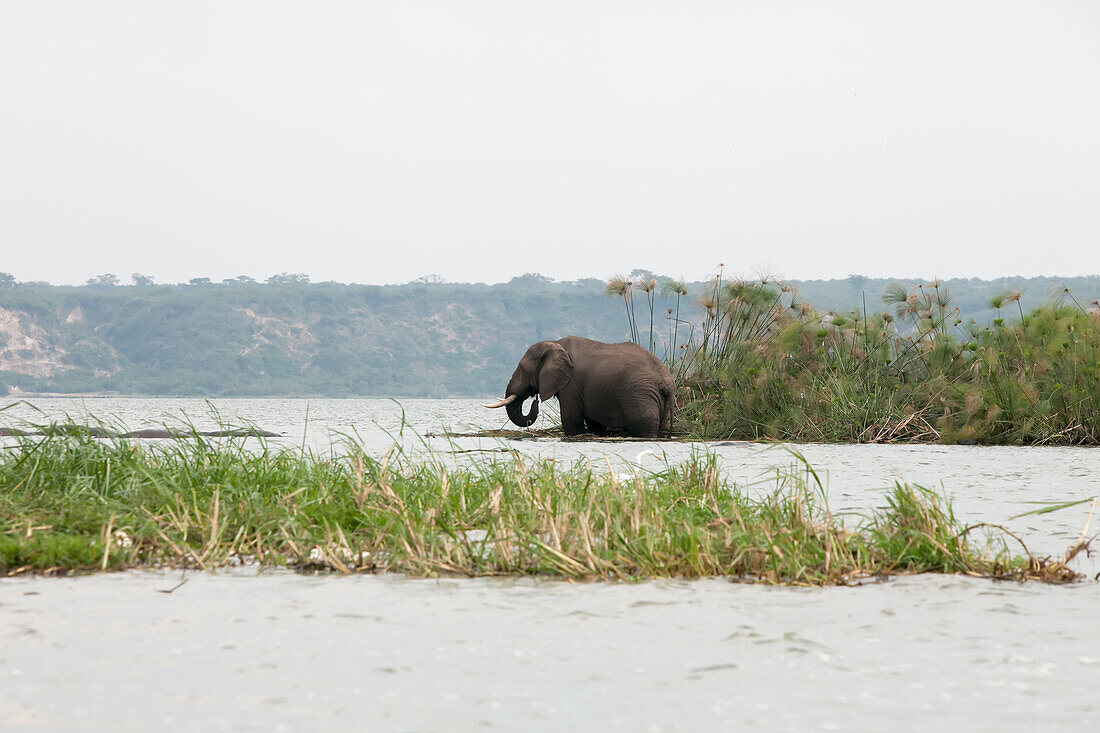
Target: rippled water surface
237, 651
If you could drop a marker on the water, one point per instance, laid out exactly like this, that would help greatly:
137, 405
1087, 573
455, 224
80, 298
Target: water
231, 652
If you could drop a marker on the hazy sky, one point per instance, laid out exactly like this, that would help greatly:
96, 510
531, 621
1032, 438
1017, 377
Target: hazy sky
380, 142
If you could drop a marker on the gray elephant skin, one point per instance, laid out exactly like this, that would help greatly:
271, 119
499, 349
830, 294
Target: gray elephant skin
600, 387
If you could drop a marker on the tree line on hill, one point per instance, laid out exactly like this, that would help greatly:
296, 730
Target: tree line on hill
429, 338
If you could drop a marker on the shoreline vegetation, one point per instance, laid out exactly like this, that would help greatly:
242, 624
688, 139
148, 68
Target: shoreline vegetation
73, 502
762, 364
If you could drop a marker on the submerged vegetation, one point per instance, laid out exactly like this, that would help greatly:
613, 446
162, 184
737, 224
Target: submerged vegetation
72, 502
763, 364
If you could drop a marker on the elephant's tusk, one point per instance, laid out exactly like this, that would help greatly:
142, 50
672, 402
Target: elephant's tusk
506, 401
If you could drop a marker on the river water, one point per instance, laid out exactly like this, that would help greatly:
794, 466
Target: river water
234, 650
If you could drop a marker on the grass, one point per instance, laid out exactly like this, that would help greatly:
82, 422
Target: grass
70, 502
762, 364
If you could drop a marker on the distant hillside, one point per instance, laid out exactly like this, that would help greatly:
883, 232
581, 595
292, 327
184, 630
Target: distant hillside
292, 337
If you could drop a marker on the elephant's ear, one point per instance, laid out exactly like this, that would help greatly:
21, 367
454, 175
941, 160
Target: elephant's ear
555, 371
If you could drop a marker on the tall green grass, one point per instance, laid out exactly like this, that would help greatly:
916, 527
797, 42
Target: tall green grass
71, 502
762, 364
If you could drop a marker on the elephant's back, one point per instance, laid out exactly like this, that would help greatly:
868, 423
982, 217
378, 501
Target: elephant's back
634, 358
627, 353
625, 370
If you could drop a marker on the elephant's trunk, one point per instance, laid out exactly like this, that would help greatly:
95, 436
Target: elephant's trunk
515, 412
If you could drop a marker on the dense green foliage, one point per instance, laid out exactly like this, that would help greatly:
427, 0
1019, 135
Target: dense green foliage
291, 337
73, 502
765, 364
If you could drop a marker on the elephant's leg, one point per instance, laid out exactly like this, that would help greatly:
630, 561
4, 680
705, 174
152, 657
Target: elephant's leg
572, 417
644, 420
665, 428
596, 428
668, 408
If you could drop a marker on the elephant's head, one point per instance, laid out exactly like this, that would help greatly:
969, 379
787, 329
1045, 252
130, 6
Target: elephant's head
542, 372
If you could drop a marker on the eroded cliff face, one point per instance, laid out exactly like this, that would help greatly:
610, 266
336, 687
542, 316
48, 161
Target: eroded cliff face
25, 347
293, 338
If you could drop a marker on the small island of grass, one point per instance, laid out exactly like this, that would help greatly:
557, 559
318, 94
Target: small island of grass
72, 502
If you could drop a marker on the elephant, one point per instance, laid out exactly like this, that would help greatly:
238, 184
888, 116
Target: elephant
600, 387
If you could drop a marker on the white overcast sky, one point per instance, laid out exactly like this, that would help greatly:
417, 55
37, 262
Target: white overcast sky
380, 142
